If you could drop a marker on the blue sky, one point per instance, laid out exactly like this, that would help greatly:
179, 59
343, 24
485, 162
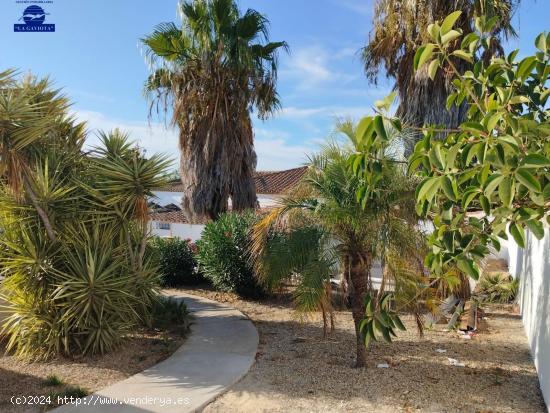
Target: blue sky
96, 57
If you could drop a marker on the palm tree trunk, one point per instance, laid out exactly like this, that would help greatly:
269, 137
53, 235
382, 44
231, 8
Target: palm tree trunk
217, 163
423, 101
359, 270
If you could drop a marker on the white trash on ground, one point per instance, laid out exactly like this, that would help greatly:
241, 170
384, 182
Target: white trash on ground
455, 362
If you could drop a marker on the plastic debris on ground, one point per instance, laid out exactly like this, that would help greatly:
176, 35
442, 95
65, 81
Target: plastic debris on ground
455, 362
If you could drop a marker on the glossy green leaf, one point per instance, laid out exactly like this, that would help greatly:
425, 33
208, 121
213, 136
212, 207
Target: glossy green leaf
536, 160
468, 267
492, 183
450, 36
449, 22
422, 55
526, 178
505, 191
463, 55
536, 228
432, 68
517, 233
540, 42
525, 67
449, 187
379, 128
485, 204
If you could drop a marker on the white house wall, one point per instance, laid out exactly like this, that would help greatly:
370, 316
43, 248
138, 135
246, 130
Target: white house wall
183, 231
532, 266
164, 198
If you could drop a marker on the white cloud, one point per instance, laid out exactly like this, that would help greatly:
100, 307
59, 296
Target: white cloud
292, 112
310, 68
277, 154
308, 65
273, 149
346, 52
153, 137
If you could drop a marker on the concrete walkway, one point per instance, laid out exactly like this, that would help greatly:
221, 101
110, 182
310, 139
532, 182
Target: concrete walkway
220, 350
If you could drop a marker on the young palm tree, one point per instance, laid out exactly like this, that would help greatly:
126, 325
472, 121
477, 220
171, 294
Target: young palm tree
211, 72
399, 29
339, 226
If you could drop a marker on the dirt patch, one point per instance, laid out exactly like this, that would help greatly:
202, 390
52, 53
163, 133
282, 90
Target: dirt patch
299, 371
138, 352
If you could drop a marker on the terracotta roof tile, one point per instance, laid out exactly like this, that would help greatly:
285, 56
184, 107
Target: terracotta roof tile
178, 217
278, 182
267, 182
172, 217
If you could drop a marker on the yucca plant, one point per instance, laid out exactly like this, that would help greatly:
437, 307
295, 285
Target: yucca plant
74, 230
498, 288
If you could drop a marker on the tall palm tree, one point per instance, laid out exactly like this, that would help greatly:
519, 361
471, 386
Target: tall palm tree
399, 29
212, 72
339, 226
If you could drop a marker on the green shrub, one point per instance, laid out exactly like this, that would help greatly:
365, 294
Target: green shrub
76, 392
498, 288
53, 381
176, 261
167, 312
223, 254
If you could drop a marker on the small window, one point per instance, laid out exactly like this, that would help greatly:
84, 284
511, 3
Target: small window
163, 225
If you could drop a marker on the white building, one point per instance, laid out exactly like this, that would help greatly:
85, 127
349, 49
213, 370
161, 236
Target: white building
270, 187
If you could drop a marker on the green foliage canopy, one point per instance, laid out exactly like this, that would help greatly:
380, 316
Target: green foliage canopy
498, 161
489, 177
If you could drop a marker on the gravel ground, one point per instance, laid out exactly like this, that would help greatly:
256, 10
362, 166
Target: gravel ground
299, 371
138, 352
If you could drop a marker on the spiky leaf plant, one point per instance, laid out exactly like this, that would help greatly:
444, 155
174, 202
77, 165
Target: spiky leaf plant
77, 271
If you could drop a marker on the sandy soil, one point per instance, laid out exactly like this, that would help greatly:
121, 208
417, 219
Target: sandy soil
299, 371
138, 352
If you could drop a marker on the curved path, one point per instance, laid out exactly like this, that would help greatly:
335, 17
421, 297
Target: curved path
220, 349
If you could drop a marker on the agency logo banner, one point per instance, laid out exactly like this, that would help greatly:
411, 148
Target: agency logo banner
33, 19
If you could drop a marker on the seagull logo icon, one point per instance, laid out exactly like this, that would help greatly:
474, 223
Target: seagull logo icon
33, 16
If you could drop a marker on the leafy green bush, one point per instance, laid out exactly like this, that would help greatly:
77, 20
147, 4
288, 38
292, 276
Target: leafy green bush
223, 254
498, 288
176, 261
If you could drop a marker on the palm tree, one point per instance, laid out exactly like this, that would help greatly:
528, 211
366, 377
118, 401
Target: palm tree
339, 226
211, 72
399, 29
